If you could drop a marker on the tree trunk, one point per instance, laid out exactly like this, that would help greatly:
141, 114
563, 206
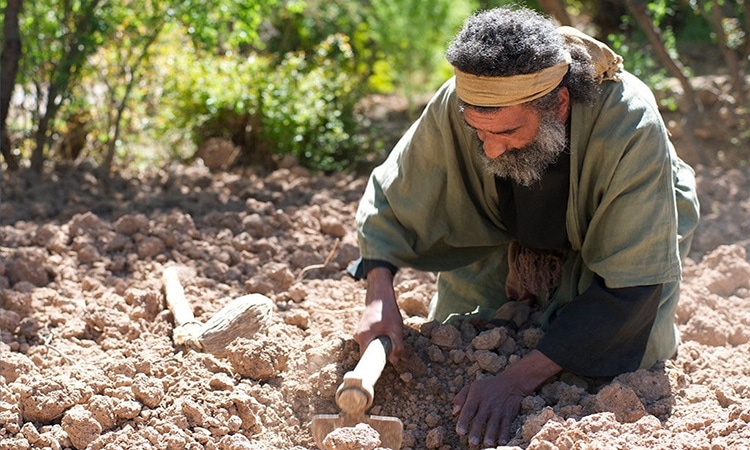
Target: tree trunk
106, 166
40, 136
11, 55
673, 66
730, 57
556, 9
60, 79
691, 150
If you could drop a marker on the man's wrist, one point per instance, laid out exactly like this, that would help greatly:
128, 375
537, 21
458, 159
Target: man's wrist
380, 276
369, 264
532, 371
360, 267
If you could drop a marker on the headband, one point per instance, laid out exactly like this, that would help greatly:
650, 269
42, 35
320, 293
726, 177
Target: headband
480, 90
491, 91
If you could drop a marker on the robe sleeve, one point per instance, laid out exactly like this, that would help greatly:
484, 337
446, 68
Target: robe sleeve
602, 332
359, 268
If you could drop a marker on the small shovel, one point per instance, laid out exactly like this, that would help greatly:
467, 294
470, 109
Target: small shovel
354, 396
242, 317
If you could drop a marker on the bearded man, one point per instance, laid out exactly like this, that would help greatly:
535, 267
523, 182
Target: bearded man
541, 174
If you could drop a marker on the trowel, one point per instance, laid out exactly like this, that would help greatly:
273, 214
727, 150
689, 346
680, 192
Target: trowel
354, 396
242, 317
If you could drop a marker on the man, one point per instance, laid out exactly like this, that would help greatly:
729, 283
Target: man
541, 172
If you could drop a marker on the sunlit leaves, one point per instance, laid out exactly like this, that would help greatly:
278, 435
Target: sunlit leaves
223, 26
733, 31
412, 36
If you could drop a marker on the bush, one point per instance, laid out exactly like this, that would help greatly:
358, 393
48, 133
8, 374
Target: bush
303, 107
308, 107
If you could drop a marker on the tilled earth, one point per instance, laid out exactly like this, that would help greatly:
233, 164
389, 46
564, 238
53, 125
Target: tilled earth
87, 359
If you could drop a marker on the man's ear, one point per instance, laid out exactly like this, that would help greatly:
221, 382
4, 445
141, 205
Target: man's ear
563, 95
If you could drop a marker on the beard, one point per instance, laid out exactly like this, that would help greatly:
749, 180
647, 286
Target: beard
526, 165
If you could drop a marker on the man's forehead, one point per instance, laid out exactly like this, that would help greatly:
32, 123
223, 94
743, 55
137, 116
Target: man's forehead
503, 119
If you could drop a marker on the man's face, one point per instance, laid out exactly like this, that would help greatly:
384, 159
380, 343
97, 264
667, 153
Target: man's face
518, 142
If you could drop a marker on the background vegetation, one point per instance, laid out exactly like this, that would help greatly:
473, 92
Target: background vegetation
133, 83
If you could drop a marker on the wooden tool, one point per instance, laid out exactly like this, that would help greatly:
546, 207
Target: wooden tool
354, 396
242, 317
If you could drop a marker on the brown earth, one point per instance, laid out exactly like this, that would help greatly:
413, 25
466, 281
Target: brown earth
87, 359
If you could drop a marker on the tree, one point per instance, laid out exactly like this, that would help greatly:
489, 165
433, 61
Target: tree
137, 26
66, 34
411, 38
727, 28
9, 60
673, 65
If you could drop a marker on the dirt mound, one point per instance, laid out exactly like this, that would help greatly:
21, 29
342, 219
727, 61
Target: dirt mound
87, 359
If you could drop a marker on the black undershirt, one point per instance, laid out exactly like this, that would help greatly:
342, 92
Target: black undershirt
535, 215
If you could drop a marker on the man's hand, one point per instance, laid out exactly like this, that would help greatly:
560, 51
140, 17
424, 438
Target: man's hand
488, 406
381, 316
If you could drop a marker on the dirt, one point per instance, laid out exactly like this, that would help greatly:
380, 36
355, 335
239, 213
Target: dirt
87, 359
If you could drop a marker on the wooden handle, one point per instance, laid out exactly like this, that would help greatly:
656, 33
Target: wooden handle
356, 392
176, 301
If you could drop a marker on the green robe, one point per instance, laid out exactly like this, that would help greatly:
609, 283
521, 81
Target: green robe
632, 208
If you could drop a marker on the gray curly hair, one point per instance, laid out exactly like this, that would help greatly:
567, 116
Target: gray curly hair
505, 42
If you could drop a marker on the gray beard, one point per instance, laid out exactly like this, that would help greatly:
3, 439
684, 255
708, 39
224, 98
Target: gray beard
526, 165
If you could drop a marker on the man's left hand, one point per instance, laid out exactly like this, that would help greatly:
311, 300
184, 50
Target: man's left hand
488, 406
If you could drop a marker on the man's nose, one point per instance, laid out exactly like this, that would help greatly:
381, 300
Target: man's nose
494, 148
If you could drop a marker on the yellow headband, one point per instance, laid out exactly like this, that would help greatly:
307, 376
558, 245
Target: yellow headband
506, 91
513, 90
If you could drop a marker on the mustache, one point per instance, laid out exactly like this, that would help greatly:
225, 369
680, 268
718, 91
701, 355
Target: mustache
526, 165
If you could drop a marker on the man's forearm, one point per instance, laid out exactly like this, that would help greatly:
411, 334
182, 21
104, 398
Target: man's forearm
379, 284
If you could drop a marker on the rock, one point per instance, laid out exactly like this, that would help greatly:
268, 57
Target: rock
620, 400
490, 339
359, 437
446, 336
81, 427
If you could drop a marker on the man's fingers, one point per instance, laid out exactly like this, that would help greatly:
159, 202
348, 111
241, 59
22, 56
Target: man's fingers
491, 429
493, 425
459, 399
468, 411
505, 429
477, 426
482, 421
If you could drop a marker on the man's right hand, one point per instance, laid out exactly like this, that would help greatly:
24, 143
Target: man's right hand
381, 316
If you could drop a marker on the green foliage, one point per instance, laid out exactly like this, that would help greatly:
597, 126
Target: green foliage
225, 26
301, 25
396, 44
301, 107
692, 29
297, 92
732, 13
198, 90
635, 49
277, 77
58, 41
308, 107
62, 36
411, 38
636, 57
